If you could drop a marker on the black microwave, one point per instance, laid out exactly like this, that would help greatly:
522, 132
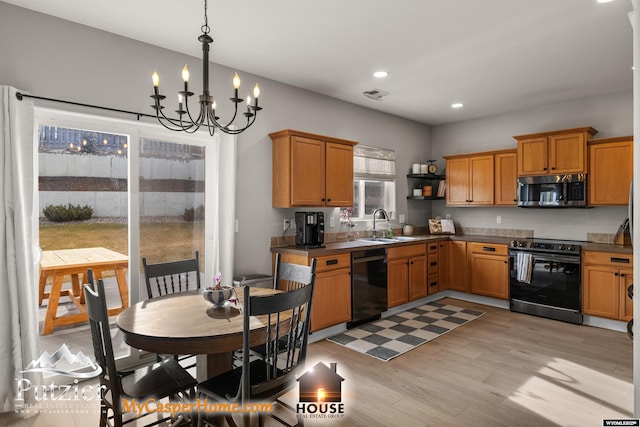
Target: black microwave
553, 191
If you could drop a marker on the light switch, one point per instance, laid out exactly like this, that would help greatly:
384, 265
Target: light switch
401, 218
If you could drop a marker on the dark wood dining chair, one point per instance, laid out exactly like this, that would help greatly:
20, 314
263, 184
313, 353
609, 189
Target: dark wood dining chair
287, 277
267, 378
166, 379
166, 278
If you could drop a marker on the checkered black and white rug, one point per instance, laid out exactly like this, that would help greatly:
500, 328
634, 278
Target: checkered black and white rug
392, 336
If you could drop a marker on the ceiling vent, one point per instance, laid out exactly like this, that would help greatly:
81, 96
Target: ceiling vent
375, 94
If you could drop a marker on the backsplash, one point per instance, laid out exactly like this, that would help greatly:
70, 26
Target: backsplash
601, 237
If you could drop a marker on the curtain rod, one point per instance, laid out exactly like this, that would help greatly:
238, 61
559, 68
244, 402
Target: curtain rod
20, 95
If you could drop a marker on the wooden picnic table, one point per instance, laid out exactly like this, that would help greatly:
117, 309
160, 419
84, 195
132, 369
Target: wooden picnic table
74, 262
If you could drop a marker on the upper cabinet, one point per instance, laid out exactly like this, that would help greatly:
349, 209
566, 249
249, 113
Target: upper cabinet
610, 170
506, 174
469, 180
552, 153
311, 170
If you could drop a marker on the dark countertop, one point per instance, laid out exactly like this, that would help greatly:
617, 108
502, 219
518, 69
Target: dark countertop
334, 248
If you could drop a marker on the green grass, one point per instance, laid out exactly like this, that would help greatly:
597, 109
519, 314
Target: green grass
164, 241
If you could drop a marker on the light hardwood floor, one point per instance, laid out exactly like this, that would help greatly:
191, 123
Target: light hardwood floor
503, 369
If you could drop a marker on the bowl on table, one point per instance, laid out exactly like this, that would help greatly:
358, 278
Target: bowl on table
218, 297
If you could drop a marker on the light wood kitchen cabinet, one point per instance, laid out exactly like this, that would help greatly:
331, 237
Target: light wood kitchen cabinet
605, 279
332, 290
311, 170
443, 267
489, 269
610, 170
506, 176
406, 274
469, 180
458, 266
553, 153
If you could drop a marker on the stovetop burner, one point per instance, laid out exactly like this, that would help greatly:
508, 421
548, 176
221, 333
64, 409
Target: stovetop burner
547, 245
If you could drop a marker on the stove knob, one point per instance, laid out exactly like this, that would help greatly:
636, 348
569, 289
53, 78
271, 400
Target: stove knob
514, 243
561, 247
571, 248
522, 244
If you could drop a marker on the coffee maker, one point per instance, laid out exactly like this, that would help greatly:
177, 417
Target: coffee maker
310, 229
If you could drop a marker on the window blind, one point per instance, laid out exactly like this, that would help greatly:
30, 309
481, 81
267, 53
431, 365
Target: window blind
374, 163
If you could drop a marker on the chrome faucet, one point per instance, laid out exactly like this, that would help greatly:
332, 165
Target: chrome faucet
385, 216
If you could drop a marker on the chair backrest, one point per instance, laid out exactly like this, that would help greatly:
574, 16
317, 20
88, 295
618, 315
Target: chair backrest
169, 277
288, 276
285, 349
101, 337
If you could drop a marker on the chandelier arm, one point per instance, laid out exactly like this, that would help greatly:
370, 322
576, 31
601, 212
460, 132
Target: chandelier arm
173, 124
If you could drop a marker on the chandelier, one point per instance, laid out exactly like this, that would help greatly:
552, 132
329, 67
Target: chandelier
207, 115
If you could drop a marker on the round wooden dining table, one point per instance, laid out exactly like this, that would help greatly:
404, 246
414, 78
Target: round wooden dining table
185, 323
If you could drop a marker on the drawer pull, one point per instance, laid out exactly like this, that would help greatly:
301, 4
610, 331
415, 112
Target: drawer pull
332, 262
433, 247
620, 260
488, 249
434, 263
433, 284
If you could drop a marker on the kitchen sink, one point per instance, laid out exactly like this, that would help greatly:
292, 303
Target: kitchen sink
389, 240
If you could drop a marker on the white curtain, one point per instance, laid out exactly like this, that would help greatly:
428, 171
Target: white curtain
18, 267
220, 202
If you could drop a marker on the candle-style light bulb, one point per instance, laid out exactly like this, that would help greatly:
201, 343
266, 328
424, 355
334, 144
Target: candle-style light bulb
213, 106
236, 81
179, 98
248, 100
185, 74
256, 91
156, 79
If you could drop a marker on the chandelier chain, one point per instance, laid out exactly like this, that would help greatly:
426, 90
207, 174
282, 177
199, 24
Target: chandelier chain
205, 28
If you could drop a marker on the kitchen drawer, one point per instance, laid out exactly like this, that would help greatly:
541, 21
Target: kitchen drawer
432, 247
608, 258
406, 251
432, 263
432, 284
333, 262
487, 248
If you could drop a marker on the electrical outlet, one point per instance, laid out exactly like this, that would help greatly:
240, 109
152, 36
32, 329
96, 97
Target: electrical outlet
447, 216
401, 219
332, 222
286, 223
499, 219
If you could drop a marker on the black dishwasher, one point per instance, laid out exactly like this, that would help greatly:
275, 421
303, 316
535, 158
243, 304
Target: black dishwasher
368, 285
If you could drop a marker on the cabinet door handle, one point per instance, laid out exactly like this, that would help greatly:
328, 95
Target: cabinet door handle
488, 249
328, 200
553, 168
616, 274
544, 169
621, 274
620, 260
323, 199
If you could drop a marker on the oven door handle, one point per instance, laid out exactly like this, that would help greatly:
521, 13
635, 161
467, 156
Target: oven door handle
556, 258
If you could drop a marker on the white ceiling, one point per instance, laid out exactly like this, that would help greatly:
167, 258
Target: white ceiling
492, 55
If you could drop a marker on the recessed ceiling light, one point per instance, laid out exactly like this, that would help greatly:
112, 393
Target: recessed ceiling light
457, 105
604, 1
380, 74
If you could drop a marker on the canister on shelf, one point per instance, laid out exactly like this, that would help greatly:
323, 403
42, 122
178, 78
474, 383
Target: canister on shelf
415, 168
427, 190
417, 191
424, 168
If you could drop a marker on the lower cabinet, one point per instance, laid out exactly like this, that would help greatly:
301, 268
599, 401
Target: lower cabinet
406, 274
443, 265
458, 266
605, 279
489, 270
331, 304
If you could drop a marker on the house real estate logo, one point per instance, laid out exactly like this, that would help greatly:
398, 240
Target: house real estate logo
320, 392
